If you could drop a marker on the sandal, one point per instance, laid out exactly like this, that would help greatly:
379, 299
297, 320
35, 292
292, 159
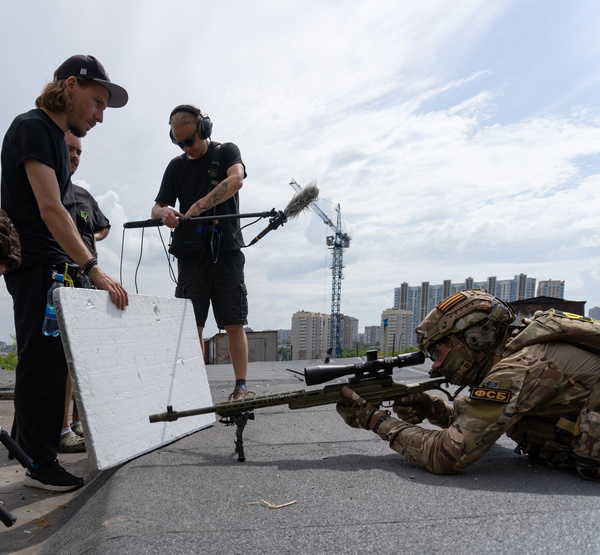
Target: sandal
78, 429
71, 443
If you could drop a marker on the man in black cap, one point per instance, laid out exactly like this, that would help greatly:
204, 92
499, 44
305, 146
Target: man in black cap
37, 194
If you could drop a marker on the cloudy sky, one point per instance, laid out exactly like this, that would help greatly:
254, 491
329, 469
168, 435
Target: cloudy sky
460, 139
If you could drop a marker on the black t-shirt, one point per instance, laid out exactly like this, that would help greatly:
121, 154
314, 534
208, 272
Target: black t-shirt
89, 217
188, 180
34, 136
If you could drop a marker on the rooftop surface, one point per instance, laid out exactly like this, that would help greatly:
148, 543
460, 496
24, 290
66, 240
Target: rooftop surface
310, 484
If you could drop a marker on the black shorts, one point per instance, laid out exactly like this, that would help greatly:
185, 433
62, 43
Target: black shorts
221, 284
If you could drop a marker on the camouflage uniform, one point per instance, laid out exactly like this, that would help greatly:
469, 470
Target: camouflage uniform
547, 382
538, 383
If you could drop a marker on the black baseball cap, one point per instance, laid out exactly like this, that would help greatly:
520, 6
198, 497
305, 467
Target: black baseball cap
87, 67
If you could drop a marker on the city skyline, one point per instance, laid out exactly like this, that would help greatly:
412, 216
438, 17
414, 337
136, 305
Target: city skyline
504, 290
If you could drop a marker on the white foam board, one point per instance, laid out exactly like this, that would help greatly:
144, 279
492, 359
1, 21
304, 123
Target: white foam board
127, 365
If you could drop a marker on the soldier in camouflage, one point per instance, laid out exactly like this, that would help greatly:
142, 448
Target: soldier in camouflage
542, 392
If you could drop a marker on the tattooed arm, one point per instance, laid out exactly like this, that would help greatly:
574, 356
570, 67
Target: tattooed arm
223, 191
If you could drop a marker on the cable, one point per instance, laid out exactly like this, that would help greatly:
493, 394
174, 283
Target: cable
239, 233
139, 261
171, 272
121, 261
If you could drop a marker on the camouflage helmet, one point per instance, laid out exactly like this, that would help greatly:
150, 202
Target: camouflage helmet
474, 323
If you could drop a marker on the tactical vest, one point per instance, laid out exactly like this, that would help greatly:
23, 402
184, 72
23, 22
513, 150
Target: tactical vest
555, 325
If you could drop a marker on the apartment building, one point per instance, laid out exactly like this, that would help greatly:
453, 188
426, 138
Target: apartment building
551, 288
372, 335
310, 335
396, 330
348, 331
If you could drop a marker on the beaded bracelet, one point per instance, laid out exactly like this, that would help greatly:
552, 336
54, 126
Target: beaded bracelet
89, 265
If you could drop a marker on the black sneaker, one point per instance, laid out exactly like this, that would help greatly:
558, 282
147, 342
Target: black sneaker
51, 477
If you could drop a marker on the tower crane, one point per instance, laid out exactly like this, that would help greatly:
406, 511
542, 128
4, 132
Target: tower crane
337, 242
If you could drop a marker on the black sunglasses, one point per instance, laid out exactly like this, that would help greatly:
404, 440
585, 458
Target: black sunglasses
188, 141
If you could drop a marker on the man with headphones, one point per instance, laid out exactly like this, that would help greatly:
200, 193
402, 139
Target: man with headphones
205, 180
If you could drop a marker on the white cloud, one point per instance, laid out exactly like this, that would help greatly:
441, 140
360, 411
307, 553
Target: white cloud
413, 117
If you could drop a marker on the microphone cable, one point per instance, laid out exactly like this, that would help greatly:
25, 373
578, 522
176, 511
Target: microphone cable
238, 235
139, 261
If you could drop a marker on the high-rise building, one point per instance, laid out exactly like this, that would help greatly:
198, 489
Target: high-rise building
284, 336
594, 313
551, 288
396, 330
348, 331
372, 335
310, 335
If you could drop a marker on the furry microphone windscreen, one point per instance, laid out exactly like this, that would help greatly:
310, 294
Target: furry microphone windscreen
302, 200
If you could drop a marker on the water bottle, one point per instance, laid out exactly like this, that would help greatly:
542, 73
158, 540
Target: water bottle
50, 325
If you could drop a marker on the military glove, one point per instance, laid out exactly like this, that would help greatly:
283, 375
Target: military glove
359, 413
416, 407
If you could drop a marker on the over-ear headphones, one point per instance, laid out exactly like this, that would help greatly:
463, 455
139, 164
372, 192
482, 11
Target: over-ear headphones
204, 123
481, 338
485, 336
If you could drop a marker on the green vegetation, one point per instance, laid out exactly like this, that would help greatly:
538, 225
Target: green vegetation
9, 362
360, 350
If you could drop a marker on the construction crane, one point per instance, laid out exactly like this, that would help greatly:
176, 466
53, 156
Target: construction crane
337, 242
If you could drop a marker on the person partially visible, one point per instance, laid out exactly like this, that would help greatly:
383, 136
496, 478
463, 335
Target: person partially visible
93, 226
205, 181
37, 194
10, 246
537, 382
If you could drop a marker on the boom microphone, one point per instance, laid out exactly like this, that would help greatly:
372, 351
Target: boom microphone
300, 202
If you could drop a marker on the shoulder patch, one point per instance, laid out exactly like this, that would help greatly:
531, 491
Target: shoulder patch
452, 300
489, 394
570, 315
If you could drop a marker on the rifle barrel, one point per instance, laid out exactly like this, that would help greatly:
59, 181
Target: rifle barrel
375, 392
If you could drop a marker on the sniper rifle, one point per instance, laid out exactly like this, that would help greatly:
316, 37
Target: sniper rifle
371, 379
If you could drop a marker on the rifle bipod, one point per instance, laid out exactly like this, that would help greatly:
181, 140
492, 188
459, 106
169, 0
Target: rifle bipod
240, 420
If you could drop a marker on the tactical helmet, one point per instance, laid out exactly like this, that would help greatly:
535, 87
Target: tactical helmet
474, 323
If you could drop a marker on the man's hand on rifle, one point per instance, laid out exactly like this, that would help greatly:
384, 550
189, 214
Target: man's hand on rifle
359, 413
416, 407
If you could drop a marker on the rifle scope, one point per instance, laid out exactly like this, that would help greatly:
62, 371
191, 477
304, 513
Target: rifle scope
372, 368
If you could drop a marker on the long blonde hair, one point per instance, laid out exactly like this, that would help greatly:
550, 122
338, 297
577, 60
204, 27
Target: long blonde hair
55, 96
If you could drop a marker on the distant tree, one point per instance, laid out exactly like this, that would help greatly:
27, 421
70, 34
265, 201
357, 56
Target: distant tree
358, 350
10, 360
284, 352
